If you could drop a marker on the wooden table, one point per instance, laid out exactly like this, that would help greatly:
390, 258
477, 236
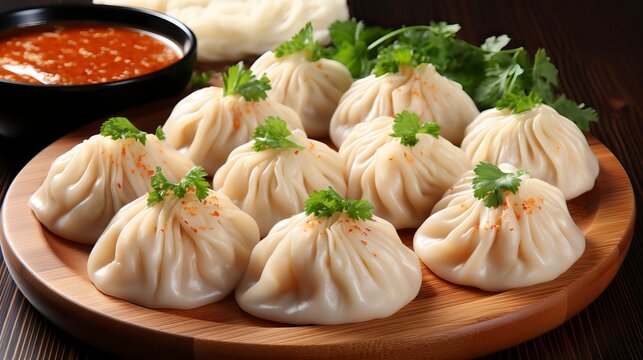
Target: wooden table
597, 50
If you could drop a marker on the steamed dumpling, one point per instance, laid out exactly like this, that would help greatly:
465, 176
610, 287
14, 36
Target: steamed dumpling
332, 270
273, 184
529, 239
403, 182
235, 29
207, 126
312, 89
179, 253
87, 185
418, 89
541, 140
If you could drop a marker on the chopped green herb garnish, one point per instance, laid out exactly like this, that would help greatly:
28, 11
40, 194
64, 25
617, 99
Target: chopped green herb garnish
119, 128
240, 81
304, 42
324, 203
490, 183
272, 134
391, 58
519, 102
201, 79
195, 178
160, 133
578, 113
407, 125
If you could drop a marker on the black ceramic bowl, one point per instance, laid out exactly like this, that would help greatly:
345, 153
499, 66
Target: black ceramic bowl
33, 109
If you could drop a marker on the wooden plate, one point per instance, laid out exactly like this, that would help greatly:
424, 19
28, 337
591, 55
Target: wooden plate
444, 321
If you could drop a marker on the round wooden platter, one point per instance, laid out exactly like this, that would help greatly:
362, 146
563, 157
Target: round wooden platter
444, 320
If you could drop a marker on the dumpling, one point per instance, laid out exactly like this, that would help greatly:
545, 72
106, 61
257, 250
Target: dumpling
311, 88
330, 267
528, 238
236, 29
177, 252
270, 183
418, 89
402, 181
87, 185
541, 140
211, 122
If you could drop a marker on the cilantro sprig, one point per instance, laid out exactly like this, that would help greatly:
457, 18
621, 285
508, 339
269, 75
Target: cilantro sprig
272, 134
120, 127
200, 79
407, 125
240, 81
490, 183
304, 42
324, 203
161, 186
519, 102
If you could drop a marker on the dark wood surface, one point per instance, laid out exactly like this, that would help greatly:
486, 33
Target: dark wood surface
597, 48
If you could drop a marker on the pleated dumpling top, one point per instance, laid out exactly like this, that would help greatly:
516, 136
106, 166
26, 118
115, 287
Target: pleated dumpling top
517, 231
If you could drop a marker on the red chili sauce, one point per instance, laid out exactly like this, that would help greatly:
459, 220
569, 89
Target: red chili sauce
82, 53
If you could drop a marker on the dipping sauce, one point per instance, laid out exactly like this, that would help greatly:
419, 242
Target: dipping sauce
82, 53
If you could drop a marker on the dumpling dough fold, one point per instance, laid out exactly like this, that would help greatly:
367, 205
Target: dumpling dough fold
541, 140
273, 184
206, 126
312, 89
402, 182
329, 271
234, 29
419, 89
529, 240
180, 253
87, 185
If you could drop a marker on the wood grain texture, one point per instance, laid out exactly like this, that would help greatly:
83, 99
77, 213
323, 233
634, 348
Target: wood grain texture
443, 321
596, 48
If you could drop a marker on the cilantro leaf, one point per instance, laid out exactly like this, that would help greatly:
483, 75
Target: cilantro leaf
544, 76
324, 203
195, 178
200, 79
577, 113
492, 45
519, 102
501, 76
407, 125
304, 42
359, 209
392, 57
160, 134
490, 183
272, 134
121, 128
240, 81
350, 39
160, 186
443, 29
